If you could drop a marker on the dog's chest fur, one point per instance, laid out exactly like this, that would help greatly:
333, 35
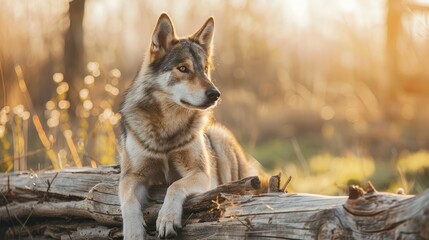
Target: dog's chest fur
155, 133
160, 129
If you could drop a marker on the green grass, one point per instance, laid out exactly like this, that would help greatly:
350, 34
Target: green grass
277, 153
324, 173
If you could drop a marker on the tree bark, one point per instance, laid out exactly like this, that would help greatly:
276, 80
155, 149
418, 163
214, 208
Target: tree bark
74, 50
82, 203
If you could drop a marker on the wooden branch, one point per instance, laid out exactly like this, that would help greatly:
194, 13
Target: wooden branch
83, 204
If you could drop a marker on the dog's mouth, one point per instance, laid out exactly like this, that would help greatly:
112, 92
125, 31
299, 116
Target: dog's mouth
203, 106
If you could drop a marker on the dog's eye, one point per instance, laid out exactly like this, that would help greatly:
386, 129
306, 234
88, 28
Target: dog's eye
183, 69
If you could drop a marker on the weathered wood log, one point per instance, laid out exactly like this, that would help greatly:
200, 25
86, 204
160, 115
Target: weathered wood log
83, 204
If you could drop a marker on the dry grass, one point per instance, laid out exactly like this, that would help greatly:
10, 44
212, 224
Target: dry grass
66, 140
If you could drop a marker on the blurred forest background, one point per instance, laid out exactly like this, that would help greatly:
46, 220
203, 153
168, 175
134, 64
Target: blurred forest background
330, 92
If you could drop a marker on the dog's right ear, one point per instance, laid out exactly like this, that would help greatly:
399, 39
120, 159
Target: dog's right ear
163, 37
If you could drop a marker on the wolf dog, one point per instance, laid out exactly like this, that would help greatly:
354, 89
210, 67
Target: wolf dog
168, 134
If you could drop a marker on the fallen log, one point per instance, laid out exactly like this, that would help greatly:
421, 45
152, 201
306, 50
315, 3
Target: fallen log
82, 203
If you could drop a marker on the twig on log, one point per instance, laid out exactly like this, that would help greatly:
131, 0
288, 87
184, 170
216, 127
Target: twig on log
8, 184
370, 188
285, 185
49, 187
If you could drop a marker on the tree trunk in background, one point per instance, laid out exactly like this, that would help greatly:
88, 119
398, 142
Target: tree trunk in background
74, 65
393, 30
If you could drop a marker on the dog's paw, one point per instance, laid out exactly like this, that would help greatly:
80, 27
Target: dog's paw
134, 233
134, 227
169, 221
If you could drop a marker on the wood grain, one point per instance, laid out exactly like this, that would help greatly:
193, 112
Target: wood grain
83, 204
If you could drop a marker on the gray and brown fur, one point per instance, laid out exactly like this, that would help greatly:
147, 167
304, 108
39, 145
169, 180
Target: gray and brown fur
168, 136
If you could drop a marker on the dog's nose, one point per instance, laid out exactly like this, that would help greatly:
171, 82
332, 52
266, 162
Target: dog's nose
212, 94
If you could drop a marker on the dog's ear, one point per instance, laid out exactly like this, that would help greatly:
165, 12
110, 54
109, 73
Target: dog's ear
163, 37
204, 36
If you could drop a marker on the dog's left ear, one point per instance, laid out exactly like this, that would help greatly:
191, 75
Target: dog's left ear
204, 36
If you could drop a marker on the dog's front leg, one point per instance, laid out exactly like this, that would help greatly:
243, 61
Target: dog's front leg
170, 216
132, 194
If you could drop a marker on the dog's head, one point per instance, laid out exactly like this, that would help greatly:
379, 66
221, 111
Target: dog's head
181, 66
